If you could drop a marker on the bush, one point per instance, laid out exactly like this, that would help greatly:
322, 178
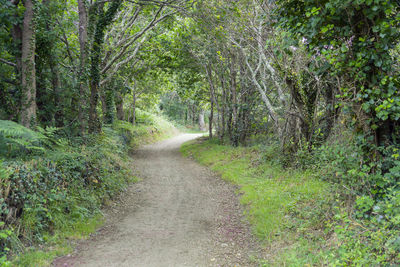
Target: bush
367, 221
63, 186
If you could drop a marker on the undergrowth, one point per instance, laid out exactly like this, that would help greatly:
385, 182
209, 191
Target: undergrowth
324, 208
52, 188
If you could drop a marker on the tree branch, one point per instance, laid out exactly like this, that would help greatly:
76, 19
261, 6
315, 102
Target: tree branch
12, 64
149, 26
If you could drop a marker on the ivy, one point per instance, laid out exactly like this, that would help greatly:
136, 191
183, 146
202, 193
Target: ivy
104, 19
356, 38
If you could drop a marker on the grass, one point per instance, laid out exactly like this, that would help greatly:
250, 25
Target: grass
284, 206
149, 129
59, 243
187, 128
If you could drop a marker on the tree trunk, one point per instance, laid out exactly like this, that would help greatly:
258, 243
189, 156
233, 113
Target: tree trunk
186, 116
210, 127
28, 72
119, 105
234, 103
83, 37
109, 115
102, 95
202, 124
223, 108
104, 19
17, 40
229, 123
212, 96
56, 85
57, 116
244, 110
194, 115
94, 123
134, 109
233, 84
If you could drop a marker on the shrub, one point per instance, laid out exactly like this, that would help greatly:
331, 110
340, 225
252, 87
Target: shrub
15, 139
63, 186
367, 221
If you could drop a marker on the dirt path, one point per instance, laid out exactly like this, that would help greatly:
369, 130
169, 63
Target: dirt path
180, 214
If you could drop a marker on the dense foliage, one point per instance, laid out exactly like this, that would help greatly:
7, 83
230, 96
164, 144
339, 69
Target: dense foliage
316, 82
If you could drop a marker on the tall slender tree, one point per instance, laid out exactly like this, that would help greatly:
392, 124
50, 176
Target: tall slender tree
28, 72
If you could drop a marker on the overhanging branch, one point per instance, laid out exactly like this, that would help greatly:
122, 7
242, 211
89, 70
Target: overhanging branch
12, 64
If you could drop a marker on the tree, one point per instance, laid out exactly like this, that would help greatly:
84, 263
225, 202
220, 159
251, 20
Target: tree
356, 38
104, 19
83, 41
28, 73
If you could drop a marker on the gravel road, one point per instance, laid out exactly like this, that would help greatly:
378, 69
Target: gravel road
179, 214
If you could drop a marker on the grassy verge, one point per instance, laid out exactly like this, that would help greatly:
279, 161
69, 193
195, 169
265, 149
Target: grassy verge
59, 243
286, 207
51, 198
148, 129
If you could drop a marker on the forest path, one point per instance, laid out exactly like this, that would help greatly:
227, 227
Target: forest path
179, 214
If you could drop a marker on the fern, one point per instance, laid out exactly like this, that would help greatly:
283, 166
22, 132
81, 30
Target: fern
51, 139
4, 174
15, 136
124, 125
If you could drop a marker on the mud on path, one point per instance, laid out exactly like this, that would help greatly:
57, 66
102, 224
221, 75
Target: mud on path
179, 214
